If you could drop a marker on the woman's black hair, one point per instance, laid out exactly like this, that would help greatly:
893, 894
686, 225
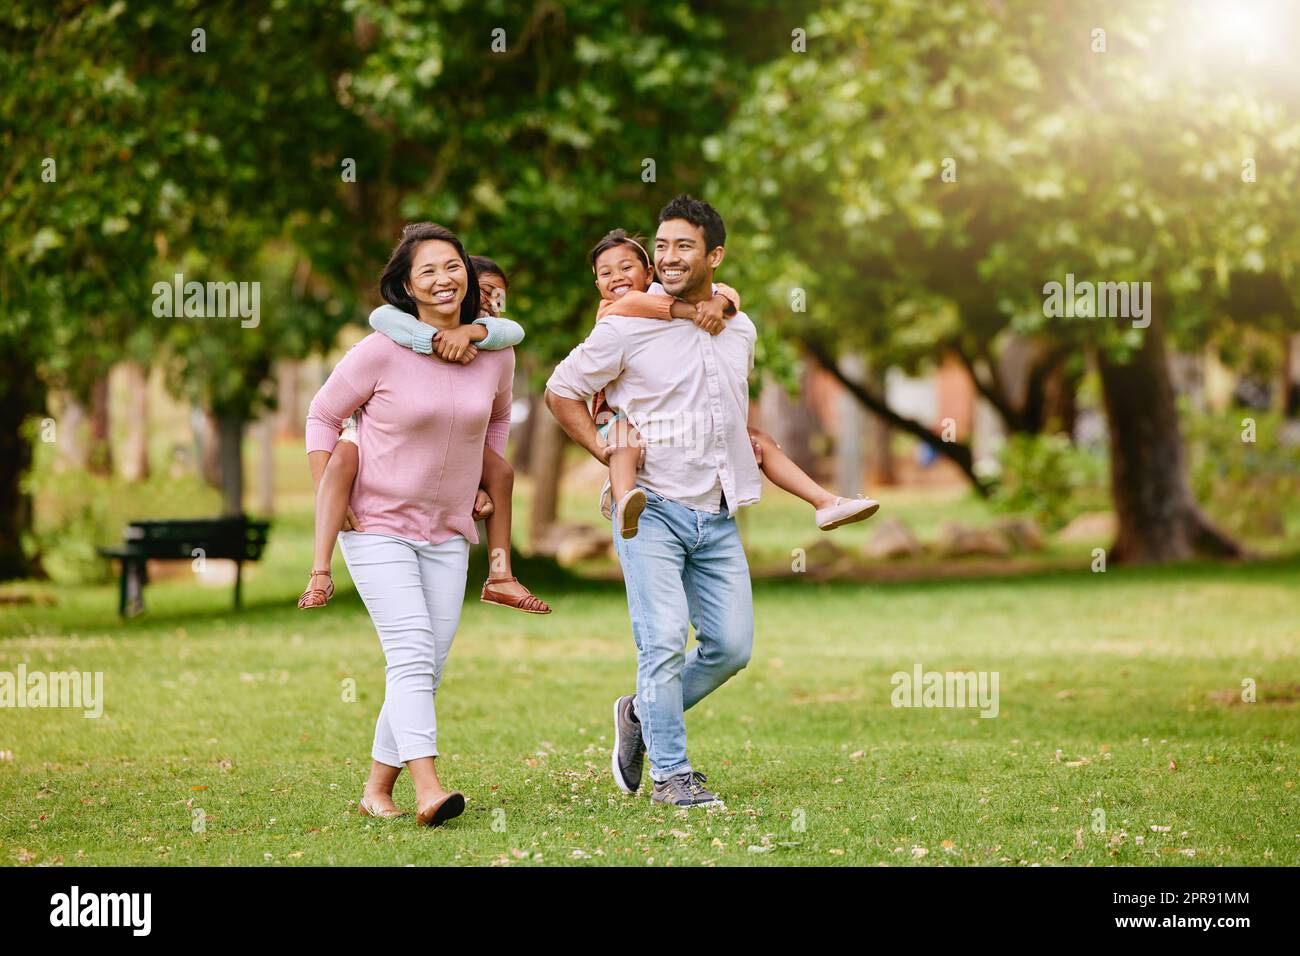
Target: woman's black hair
618, 237
482, 264
397, 273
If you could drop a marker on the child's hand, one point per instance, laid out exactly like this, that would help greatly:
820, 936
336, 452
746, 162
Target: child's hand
708, 316
758, 451
451, 344
482, 505
468, 355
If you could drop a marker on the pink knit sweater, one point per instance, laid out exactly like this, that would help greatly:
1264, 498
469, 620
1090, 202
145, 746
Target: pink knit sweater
421, 427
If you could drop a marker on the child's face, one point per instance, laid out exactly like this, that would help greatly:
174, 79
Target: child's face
619, 270
492, 294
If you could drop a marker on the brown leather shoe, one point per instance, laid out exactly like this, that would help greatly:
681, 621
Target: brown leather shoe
436, 814
314, 596
530, 603
365, 808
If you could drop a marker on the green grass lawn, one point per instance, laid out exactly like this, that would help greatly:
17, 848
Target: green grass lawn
1120, 706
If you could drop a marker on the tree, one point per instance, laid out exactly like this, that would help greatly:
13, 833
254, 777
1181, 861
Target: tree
533, 131
154, 139
924, 172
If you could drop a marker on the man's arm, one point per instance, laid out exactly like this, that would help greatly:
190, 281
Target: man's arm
591, 366
575, 418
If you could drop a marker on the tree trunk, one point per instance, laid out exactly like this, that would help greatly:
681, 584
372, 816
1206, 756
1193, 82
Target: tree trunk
21, 397
848, 445
1158, 520
523, 435
880, 459
266, 430
289, 417
1291, 376
958, 453
1060, 409
100, 449
134, 460
789, 422
71, 429
207, 445
230, 430
547, 454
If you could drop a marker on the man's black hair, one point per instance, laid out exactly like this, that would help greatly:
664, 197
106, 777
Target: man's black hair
698, 213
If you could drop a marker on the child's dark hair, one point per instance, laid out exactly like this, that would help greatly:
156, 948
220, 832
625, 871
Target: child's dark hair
698, 213
618, 237
483, 264
397, 272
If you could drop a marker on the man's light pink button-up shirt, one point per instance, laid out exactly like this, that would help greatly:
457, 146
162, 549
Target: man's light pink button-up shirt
687, 393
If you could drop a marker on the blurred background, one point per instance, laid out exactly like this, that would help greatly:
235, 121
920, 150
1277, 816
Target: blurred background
900, 181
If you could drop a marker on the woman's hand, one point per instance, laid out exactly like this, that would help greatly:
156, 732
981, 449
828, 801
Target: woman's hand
350, 522
483, 505
452, 345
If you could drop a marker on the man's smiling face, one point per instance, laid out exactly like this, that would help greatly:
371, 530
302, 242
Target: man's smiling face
683, 263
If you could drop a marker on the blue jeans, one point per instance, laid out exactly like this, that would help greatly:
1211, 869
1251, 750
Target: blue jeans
684, 567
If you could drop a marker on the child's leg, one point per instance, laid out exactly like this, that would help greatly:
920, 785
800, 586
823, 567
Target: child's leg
786, 475
622, 462
499, 482
332, 500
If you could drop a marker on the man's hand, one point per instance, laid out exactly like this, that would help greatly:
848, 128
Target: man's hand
483, 505
350, 522
709, 315
758, 451
451, 345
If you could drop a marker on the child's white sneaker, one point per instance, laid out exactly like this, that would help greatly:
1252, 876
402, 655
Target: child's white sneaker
846, 511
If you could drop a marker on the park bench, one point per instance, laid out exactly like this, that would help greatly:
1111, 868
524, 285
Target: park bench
235, 539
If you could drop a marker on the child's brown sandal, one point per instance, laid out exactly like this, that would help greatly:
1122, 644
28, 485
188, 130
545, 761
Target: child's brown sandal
529, 603
314, 596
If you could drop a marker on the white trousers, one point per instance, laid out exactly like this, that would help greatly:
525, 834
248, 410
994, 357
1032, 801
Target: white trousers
414, 591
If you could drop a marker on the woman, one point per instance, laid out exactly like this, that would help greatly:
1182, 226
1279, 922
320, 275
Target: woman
421, 425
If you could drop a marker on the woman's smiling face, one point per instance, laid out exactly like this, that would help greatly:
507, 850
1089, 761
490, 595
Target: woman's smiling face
619, 270
438, 279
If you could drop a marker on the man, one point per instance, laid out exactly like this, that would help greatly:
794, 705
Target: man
686, 392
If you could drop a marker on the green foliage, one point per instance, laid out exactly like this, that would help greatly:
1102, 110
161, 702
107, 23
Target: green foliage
77, 512
1050, 478
533, 153
1117, 166
1251, 488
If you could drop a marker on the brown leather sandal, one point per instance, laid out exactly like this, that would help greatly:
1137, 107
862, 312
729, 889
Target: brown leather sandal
314, 596
436, 814
529, 603
367, 809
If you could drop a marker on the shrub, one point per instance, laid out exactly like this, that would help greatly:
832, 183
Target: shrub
1049, 477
